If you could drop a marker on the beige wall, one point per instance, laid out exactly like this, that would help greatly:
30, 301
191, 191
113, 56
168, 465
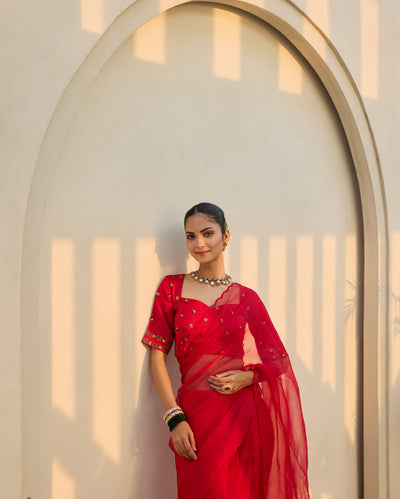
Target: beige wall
129, 148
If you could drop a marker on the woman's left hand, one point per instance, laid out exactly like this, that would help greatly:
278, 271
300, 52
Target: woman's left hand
231, 381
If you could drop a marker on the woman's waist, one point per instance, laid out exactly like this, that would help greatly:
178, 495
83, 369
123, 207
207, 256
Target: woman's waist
195, 374
204, 406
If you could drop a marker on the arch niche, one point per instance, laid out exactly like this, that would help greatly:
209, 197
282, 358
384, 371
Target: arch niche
311, 43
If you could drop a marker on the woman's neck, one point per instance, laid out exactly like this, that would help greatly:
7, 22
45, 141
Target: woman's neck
212, 270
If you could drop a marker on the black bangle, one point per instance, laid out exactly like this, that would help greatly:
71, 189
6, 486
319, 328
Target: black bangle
175, 420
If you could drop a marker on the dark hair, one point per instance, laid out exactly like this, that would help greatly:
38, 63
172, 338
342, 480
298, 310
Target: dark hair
211, 211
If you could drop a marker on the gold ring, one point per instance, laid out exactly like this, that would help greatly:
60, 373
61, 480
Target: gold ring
227, 387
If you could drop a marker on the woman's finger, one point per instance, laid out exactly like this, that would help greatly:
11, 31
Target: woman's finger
190, 454
222, 389
187, 450
192, 441
222, 386
221, 381
215, 385
181, 436
225, 373
182, 449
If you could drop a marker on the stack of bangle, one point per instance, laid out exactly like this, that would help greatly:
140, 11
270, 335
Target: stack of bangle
173, 417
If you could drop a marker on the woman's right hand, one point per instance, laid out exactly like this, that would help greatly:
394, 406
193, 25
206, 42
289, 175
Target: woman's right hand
183, 440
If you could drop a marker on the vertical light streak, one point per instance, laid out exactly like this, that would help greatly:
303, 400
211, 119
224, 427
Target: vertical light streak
290, 73
191, 264
147, 275
227, 41
149, 41
106, 314
329, 310
369, 48
165, 5
395, 312
350, 346
63, 326
277, 278
227, 258
62, 483
304, 299
249, 261
318, 11
92, 15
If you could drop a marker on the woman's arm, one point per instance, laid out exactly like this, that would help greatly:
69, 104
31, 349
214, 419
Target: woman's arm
161, 378
182, 435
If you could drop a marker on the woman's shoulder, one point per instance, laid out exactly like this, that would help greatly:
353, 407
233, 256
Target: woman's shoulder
171, 280
169, 286
173, 277
248, 293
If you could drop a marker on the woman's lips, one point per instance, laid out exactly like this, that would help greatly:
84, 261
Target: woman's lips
202, 253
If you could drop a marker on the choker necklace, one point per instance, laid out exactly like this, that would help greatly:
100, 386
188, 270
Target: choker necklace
212, 282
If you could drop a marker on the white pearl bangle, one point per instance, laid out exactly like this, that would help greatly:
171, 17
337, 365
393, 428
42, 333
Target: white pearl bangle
170, 411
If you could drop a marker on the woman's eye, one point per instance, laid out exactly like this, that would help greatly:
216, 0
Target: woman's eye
189, 236
207, 234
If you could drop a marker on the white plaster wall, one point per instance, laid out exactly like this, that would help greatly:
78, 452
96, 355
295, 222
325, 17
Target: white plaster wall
42, 46
167, 122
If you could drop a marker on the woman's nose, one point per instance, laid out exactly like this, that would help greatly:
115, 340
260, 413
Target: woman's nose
200, 242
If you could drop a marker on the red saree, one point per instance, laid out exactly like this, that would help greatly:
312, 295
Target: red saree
250, 444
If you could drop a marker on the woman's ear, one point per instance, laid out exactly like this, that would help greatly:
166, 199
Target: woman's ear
226, 238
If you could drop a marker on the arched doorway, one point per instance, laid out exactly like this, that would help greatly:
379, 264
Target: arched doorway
107, 184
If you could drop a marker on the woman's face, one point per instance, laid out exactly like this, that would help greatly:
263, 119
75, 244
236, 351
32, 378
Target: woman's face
204, 238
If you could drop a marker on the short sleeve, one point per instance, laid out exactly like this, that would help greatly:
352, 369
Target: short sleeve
160, 331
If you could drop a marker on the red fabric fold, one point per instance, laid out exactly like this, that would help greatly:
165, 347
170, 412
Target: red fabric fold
251, 444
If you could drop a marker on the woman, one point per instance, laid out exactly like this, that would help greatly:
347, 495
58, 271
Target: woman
238, 431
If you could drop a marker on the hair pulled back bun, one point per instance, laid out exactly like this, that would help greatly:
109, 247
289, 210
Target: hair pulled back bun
210, 210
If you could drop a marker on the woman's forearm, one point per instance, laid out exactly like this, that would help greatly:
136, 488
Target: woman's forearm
182, 435
161, 378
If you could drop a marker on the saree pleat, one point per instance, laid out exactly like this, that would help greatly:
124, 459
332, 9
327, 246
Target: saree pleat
252, 443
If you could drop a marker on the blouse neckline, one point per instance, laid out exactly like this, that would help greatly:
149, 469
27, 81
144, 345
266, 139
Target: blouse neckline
214, 304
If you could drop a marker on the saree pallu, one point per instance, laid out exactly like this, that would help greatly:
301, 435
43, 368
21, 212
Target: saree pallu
250, 444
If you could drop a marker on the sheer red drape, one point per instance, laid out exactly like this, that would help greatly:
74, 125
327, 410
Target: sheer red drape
251, 444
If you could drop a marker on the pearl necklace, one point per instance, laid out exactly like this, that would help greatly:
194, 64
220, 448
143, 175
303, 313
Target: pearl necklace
212, 282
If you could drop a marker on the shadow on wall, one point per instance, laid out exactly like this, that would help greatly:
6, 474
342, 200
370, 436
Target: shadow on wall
154, 470
170, 244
